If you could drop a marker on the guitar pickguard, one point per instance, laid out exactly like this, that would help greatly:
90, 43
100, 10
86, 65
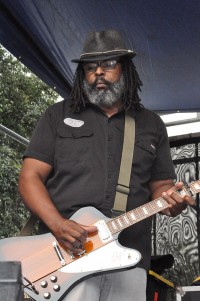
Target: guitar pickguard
112, 256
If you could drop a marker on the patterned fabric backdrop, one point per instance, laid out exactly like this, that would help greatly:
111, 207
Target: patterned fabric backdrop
178, 236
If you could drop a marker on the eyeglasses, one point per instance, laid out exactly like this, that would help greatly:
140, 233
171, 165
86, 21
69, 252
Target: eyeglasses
105, 65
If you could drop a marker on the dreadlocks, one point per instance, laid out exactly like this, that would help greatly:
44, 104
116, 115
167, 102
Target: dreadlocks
77, 96
130, 97
133, 85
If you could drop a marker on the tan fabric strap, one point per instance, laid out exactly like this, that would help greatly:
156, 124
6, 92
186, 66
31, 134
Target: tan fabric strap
122, 189
29, 226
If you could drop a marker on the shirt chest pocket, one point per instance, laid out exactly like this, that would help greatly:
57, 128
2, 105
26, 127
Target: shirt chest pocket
73, 143
145, 152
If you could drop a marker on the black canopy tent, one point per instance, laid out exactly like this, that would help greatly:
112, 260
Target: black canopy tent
46, 34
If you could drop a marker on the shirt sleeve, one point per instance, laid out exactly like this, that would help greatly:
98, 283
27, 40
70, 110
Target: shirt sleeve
163, 168
42, 144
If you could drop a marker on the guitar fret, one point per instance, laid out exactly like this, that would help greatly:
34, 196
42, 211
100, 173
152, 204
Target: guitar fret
139, 212
130, 220
136, 213
192, 189
159, 203
126, 219
142, 211
150, 208
114, 225
119, 222
183, 192
132, 216
157, 206
145, 210
153, 207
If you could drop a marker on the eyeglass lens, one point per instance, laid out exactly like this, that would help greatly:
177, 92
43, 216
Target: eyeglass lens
106, 65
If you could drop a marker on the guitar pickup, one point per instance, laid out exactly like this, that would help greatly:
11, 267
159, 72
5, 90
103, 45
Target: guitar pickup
59, 254
103, 231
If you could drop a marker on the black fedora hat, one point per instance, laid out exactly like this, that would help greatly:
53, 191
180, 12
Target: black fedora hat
103, 45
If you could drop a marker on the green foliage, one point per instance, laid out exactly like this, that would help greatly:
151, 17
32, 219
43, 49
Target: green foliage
23, 99
12, 213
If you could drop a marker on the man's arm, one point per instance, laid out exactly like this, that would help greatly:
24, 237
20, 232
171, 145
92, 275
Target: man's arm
166, 189
32, 188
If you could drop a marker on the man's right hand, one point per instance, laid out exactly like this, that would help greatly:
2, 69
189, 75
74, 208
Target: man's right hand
68, 233
72, 235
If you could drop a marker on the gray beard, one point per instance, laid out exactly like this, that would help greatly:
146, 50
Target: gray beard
105, 98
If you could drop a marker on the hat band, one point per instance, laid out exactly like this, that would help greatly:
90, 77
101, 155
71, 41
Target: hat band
105, 52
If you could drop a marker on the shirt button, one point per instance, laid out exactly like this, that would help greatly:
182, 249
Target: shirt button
110, 138
109, 176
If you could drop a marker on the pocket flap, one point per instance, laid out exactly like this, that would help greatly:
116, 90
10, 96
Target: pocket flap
148, 146
68, 132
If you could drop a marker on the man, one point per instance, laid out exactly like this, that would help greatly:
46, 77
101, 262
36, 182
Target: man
74, 156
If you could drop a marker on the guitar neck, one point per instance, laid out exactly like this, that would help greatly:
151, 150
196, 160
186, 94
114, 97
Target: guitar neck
132, 217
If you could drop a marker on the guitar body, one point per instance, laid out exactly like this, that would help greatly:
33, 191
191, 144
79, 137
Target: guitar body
40, 260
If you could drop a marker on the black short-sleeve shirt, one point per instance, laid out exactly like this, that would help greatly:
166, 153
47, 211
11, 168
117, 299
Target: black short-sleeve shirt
85, 150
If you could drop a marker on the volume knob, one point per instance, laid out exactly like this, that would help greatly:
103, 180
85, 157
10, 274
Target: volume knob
53, 278
47, 295
56, 287
44, 284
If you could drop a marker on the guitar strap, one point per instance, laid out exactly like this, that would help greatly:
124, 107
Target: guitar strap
123, 189
29, 226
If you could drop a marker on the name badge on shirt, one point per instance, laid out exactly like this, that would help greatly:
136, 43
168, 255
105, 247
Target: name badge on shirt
73, 122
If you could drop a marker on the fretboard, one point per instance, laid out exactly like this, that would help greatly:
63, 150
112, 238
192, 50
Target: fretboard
132, 217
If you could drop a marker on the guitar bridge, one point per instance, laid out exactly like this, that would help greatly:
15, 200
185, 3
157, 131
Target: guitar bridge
103, 231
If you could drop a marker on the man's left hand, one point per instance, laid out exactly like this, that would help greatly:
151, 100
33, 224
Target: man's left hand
176, 203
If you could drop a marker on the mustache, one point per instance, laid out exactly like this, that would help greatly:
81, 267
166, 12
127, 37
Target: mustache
102, 81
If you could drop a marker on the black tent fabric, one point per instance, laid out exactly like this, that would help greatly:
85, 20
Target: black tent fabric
46, 34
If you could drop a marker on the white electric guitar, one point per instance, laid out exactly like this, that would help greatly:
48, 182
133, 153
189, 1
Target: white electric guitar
50, 272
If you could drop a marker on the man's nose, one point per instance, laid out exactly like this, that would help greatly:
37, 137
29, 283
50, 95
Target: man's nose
99, 71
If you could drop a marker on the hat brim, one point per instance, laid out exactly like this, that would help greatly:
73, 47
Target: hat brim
94, 58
